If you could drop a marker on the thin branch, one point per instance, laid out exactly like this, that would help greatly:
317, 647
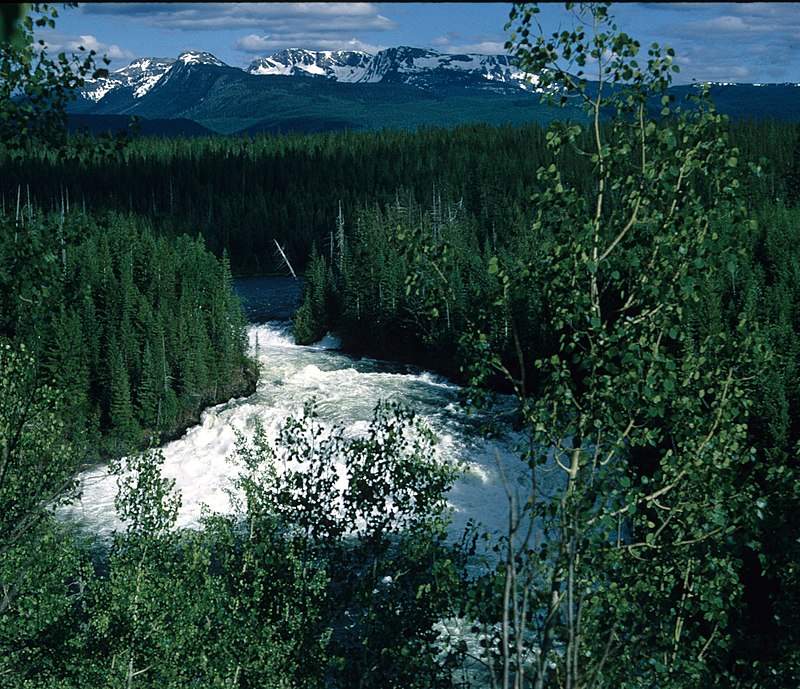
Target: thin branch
622, 232
285, 260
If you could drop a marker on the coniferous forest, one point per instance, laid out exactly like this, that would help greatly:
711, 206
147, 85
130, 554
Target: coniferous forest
632, 280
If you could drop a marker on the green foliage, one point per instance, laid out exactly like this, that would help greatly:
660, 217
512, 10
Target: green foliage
11, 15
309, 581
642, 385
141, 334
34, 87
133, 616
368, 545
314, 317
35, 462
604, 270
88, 347
243, 193
37, 559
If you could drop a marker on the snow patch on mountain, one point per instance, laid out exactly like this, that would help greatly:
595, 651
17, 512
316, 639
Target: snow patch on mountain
347, 66
424, 68
192, 57
420, 67
146, 84
139, 77
97, 91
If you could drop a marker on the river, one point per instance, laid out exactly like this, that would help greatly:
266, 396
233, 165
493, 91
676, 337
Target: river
346, 390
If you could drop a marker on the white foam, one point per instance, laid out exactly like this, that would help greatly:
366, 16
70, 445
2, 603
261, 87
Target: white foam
346, 393
330, 341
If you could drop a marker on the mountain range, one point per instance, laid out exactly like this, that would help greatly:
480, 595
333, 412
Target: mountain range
306, 90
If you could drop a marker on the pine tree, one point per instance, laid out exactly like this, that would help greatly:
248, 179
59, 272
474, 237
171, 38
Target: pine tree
123, 428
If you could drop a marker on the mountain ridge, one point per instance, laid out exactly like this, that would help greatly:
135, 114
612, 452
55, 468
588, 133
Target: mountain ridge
421, 67
402, 87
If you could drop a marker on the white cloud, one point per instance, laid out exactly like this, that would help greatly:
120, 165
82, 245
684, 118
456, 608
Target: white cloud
254, 44
57, 42
740, 41
445, 40
483, 44
264, 46
266, 16
266, 27
741, 22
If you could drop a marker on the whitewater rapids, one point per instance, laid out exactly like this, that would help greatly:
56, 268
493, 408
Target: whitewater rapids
346, 391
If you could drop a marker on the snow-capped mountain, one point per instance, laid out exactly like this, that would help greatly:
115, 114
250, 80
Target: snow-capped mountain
141, 75
428, 68
196, 58
309, 91
422, 68
346, 66
419, 67
138, 77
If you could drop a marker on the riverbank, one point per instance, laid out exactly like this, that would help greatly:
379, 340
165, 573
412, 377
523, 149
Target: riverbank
243, 385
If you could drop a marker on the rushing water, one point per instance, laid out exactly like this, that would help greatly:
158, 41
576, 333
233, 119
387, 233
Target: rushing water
346, 391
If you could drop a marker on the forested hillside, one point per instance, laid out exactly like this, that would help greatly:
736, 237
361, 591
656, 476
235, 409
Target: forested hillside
241, 193
138, 334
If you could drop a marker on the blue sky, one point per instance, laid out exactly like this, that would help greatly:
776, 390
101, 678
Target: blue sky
744, 42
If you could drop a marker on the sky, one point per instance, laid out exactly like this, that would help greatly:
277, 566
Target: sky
728, 42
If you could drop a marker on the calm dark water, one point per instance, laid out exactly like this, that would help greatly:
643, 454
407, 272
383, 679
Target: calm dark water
269, 298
